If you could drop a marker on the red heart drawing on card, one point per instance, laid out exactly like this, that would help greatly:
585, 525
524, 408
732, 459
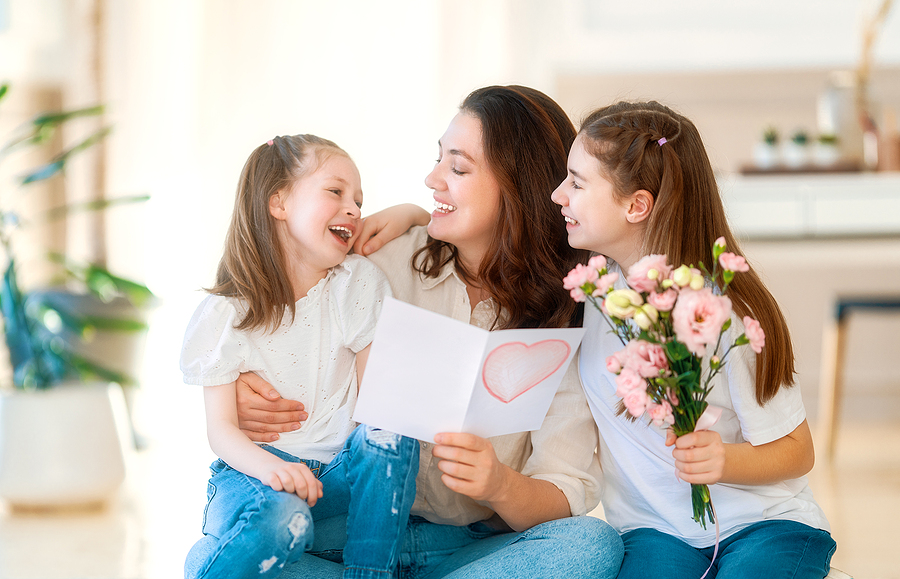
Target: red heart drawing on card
512, 369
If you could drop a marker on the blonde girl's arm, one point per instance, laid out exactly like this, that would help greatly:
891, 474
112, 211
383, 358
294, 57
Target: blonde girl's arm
702, 458
386, 225
361, 358
233, 446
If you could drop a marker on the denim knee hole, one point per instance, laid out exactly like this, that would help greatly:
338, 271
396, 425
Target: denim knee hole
382, 439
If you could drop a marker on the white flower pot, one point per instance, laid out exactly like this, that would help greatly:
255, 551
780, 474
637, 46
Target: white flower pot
794, 155
765, 156
62, 446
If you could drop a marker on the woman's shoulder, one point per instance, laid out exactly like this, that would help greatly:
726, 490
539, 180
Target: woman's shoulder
399, 251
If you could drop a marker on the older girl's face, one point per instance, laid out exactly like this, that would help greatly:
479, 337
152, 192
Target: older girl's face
466, 194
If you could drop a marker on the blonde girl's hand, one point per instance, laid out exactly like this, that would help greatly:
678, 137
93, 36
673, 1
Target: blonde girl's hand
293, 477
386, 225
470, 466
699, 456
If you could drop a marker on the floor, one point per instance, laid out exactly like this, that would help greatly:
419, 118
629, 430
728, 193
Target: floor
146, 529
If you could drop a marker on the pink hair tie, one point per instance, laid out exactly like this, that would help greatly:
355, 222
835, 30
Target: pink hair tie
661, 142
269, 142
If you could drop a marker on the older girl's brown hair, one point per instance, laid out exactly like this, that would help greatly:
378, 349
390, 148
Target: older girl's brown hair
526, 138
253, 267
688, 215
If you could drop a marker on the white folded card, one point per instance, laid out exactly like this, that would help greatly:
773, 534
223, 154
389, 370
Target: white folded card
428, 373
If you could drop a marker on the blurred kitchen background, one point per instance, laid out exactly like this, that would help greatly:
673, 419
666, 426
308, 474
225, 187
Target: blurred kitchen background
798, 103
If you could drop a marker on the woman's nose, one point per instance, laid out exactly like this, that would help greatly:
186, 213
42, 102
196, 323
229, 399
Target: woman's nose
432, 180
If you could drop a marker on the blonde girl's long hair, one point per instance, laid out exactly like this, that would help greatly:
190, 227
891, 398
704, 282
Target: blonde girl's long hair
688, 214
253, 267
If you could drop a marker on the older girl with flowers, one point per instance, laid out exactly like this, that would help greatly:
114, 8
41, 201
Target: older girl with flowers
640, 191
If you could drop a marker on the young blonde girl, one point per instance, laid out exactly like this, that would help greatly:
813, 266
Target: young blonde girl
292, 306
640, 183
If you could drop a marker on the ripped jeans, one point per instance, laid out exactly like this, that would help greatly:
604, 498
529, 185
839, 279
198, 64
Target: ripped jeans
253, 531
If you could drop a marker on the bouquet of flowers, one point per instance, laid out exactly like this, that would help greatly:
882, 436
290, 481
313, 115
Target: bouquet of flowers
671, 322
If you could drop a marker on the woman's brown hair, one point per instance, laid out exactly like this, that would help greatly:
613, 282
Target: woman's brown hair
688, 214
253, 266
526, 138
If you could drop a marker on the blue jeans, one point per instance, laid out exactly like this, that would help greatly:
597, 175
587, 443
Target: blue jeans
770, 549
574, 548
253, 531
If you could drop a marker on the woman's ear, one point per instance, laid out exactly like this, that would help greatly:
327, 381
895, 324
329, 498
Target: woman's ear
639, 206
276, 206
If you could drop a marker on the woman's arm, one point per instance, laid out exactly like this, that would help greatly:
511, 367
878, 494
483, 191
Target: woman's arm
471, 468
702, 458
232, 446
262, 413
388, 224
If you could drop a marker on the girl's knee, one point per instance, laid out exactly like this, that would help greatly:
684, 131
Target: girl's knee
288, 519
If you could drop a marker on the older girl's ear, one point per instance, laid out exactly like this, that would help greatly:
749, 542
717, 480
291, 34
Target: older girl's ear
640, 204
276, 206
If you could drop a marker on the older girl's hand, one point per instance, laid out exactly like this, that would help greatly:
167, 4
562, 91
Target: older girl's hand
470, 466
262, 412
699, 456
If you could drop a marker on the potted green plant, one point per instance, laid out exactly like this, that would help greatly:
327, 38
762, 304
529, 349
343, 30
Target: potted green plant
765, 152
825, 152
63, 421
796, 150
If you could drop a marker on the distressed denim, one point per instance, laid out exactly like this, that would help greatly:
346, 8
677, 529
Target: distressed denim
771, 549
253, 531
573, 548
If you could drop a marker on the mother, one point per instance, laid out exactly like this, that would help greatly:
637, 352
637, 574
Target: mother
493, 254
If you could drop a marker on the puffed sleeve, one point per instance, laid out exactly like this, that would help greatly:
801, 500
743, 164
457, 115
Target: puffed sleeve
565, 448
214, 352
358, 293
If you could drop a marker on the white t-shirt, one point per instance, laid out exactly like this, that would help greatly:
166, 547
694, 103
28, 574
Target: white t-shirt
640, 487
312, 360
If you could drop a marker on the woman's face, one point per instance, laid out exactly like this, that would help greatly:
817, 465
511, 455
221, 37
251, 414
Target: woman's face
466, 194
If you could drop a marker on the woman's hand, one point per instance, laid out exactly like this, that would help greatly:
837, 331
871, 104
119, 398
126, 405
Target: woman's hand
293, 477
470, 466
262, 412
699, 456
386, 225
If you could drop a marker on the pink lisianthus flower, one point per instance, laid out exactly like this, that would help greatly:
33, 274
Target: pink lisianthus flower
648, 272
613, 364
733, 262
605, 283
636, 401
645, 358
661, 414
579, 276
754, 333
697, 318
672, 396
597, 262
663, 301
627, 381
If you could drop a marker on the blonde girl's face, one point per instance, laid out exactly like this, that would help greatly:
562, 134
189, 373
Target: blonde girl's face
320, 214
466, 194
595, 218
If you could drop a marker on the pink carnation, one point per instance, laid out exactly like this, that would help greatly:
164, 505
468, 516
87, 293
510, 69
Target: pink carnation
664, 301
661, 414
627, 381
755, 334
638, 273
733, 262
697, 318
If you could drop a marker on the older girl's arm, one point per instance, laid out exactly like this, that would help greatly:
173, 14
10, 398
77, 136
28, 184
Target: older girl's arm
702, 458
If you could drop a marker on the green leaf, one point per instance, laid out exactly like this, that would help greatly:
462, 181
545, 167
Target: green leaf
4, 88
56, 119
59, 162
98, 205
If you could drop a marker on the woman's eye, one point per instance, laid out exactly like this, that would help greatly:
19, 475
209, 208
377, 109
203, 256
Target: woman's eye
335, 191
575, 185
457, 171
